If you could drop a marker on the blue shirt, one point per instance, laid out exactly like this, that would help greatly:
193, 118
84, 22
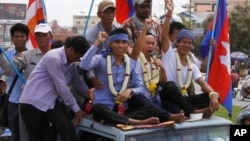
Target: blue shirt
17, 89
99, 65
49, 80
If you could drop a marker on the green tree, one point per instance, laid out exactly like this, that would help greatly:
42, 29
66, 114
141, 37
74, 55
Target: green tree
239, 28
206, 22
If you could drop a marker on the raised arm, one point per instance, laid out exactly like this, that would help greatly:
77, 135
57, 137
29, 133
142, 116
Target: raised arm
88, 57
203, 67
140, 42
165, 28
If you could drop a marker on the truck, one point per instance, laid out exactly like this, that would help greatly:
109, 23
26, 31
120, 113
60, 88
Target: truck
210, 129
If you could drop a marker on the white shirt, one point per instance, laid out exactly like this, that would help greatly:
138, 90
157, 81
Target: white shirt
169, 63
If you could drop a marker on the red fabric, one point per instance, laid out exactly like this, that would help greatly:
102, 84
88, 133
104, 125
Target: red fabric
235, 78
36, 14
219, 73
124, 10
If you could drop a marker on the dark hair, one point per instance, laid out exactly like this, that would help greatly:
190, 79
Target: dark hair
57, 44
19, 27
143, 2
79, 43
245, 117
118, 31
150, 33
175, 26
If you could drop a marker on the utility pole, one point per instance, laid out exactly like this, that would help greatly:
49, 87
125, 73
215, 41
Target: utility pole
190, 12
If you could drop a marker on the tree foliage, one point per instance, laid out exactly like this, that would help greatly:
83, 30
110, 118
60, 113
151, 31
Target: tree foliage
239, 29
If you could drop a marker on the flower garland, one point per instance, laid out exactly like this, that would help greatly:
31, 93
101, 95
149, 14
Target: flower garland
110, 78
150, 77
178, 69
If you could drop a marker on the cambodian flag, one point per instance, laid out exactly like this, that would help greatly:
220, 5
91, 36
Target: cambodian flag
36, 13
219, 72
205, 44
124, 10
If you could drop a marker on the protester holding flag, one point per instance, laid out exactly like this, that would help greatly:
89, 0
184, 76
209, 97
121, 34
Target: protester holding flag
182, 71
134, 24
219, 55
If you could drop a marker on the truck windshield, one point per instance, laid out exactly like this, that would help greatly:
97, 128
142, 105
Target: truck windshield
199, 134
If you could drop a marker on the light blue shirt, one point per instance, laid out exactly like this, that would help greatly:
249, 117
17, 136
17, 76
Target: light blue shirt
99, 65
49, 80
17, 89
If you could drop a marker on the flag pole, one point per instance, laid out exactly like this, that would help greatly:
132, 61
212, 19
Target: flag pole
212, 37
12, 65
86, 25
44, 12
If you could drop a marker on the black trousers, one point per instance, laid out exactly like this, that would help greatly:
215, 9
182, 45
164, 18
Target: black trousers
13, 121
139, 108
36, 122
173, 101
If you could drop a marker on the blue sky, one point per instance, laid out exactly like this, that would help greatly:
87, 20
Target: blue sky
63, 10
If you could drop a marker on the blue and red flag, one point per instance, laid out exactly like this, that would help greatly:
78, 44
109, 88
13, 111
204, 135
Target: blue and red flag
205, 44
124, 10
219, 73
36, 13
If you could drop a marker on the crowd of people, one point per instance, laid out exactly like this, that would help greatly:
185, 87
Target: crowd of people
139, 72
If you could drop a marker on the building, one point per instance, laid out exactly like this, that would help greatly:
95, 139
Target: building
80, 20
61, 33
10, 13
204, 8
209, 5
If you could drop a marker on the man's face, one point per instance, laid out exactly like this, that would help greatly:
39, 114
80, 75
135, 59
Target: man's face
43, 39
107, 16
150, 45
184, 46
73, 56
19, 39
143, 10
119, 47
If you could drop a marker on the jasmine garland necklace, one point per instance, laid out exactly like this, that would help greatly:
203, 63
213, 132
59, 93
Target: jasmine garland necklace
150, 77
178, 70
110, 78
